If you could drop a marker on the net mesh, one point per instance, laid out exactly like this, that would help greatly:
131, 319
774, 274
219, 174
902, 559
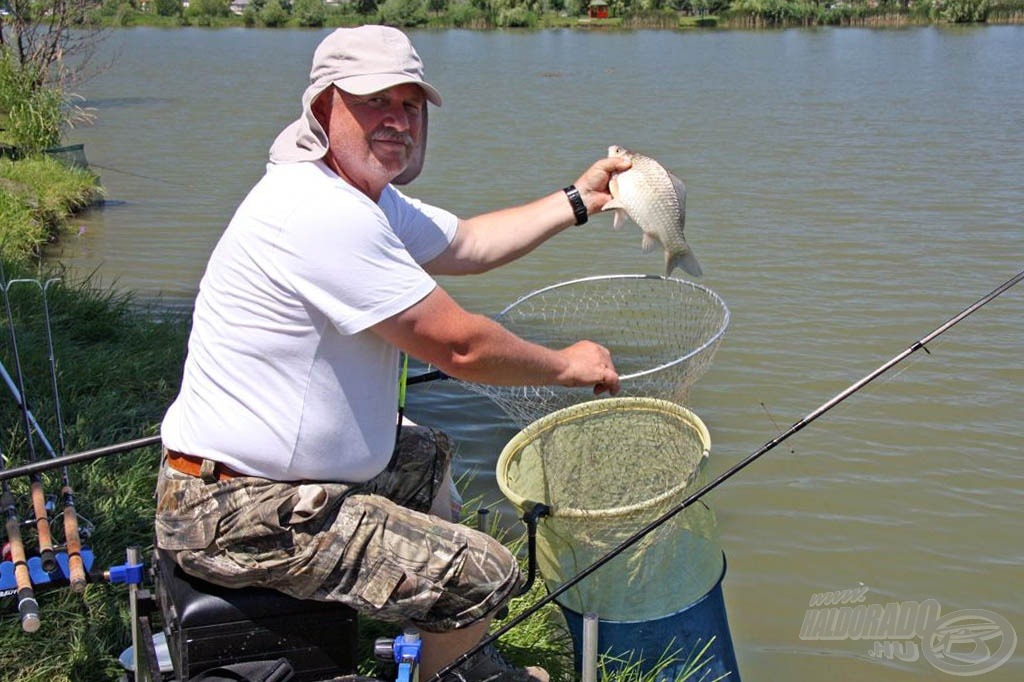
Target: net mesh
575, 461
662, 333
70, 155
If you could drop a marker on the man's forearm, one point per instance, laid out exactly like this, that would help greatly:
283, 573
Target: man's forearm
493, 239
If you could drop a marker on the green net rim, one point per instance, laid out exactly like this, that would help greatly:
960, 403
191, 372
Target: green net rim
586, 409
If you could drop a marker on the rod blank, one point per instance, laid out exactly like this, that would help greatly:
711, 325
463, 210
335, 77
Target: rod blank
38, 495
72, 537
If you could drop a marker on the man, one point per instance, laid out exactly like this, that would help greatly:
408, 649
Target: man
282, 468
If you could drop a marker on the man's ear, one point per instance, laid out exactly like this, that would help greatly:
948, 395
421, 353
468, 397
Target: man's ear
418, 155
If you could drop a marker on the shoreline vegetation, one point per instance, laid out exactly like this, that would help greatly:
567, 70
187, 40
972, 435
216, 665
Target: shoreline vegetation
499, 14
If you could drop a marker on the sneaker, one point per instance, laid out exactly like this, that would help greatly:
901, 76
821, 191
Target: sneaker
487, 665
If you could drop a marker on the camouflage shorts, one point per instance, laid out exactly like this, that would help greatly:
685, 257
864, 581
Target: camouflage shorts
369, 545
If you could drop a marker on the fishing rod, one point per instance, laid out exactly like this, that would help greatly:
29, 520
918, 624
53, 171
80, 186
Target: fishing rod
162, 181
920, 344
72, 536
78, 457
43, 538
28, 607
136, 443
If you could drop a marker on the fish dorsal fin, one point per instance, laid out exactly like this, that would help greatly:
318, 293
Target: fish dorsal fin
680, 187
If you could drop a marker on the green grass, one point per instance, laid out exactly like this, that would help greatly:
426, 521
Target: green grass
37, 196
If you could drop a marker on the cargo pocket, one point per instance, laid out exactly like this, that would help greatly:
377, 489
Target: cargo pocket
186, 514
379, 583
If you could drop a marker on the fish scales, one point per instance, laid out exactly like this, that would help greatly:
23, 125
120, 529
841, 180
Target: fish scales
655, 200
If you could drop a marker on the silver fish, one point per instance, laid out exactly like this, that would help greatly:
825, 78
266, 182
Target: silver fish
655, 200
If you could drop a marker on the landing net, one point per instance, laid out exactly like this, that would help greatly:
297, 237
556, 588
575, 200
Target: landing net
608, 468
662, 332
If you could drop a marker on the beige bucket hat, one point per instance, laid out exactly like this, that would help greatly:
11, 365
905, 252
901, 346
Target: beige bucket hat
361, 61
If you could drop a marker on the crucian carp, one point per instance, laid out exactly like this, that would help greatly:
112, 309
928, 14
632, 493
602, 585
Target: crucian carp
654, 199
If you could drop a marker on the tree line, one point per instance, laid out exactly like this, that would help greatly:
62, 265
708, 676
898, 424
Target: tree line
549, 13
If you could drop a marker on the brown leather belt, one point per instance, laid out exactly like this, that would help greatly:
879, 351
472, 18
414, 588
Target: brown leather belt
206, 469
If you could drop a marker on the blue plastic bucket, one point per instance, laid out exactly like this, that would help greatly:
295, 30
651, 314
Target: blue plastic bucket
681, 636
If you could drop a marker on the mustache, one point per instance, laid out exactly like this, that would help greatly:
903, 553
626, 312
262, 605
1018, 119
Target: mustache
393, 136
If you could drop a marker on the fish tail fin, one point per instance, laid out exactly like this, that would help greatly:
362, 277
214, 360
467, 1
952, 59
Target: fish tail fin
686, 260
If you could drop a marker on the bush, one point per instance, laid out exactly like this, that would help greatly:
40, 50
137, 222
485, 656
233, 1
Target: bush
309, 13
208, 8
462, 14
168, 8
402, 13
965, 11
274, 14
516, 17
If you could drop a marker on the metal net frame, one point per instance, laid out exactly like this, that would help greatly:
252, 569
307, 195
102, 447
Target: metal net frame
662, 333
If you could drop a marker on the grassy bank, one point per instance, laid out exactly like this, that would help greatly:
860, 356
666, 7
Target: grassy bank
38, 195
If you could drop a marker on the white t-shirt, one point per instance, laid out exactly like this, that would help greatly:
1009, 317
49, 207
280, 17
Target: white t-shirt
282, 378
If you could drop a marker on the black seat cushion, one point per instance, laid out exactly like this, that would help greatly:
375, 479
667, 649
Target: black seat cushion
197, 602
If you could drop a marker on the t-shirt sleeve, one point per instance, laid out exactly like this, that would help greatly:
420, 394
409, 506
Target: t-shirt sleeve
347, 259
425, 230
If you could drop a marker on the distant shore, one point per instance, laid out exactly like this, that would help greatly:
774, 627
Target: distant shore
743, 15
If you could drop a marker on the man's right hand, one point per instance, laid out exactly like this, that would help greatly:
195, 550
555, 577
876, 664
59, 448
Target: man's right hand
590, 364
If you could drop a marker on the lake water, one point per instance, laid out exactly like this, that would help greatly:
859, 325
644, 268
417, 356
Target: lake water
849, 191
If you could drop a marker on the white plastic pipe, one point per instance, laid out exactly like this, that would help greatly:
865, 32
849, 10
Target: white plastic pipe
589, 656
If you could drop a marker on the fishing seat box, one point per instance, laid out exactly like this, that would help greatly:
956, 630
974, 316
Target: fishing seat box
208, 626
